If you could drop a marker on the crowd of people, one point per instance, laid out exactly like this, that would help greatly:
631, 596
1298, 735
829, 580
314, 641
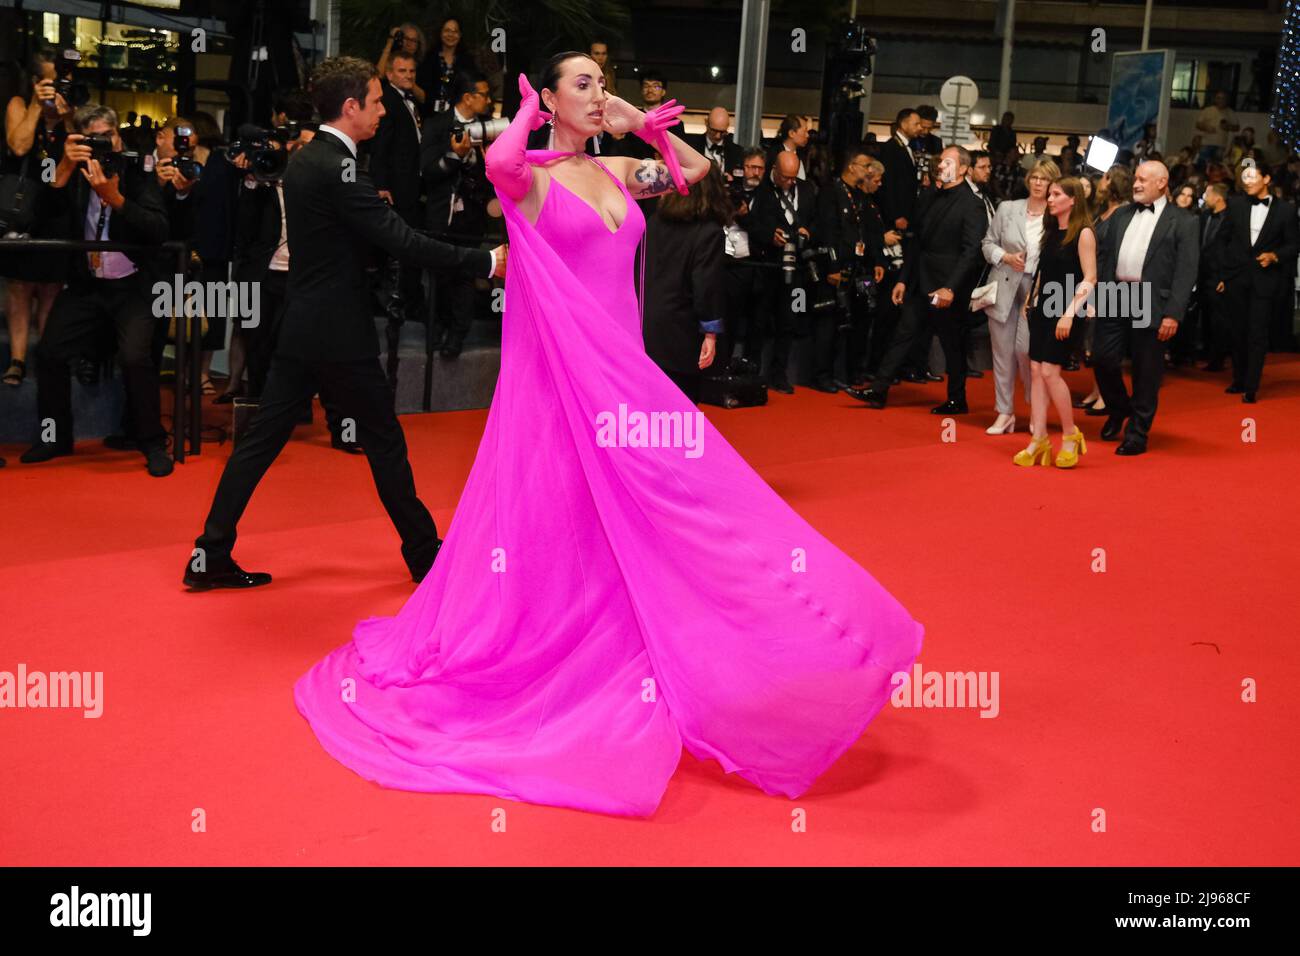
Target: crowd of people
863, 264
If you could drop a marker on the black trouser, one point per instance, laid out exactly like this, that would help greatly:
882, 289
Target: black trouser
825, 333
739, 283
957, 335
259, 341
1215, 322
81, 315
1250, 316
454, 295
916, 319
214, 340
918, 357
1113, 338
776, 305
364, 396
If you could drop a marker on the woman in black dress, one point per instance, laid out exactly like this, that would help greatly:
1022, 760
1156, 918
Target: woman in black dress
436, 73
1067, 275
32, 110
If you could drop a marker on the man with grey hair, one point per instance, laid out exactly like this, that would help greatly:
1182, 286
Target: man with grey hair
107, 199
1153, 248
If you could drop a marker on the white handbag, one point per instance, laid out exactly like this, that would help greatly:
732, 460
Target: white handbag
984, 297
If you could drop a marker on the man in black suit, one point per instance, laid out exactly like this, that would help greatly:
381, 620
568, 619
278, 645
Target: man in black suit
842, 225
1154, 247
395, 167
327, 336
1261, 237
784, 209
897, 196
716, 145
1211, 280
458, 191
940, 268
105, 291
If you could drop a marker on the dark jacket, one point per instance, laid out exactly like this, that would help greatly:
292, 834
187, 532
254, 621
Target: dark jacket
142, 219
1278, 235
257, 231
1171, 262
897, 193
684, 287
447, 176
841, 223
395, 153
733, 155
334, 218
767, 213
1215, 241
945, 252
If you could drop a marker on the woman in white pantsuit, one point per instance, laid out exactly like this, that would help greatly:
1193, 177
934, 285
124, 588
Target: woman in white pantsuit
1011, 248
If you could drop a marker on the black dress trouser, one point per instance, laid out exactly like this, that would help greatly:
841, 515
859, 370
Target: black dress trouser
1250, 314
1113, 337
362, 393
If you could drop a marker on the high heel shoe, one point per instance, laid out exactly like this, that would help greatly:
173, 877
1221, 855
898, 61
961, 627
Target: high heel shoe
1068, 459
1004, 425
1039, 452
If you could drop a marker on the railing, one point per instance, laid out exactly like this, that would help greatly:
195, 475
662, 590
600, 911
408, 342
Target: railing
187, 332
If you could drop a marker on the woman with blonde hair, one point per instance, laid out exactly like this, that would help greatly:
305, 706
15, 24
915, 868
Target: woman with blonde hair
1066, 276
1011, 247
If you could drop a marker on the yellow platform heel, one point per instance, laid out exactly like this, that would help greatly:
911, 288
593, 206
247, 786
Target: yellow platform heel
1038, 453
1068, 459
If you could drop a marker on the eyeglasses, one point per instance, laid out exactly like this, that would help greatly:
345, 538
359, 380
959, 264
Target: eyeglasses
651, 85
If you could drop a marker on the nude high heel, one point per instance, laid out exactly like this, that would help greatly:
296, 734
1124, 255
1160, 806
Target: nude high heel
1004, 425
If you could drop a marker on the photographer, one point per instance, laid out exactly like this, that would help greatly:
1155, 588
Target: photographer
842, 228
34, 112
406, 40
780, 226
742, 280
100, 193
451, 162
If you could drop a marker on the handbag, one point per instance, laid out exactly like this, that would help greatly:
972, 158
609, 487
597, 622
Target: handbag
18, 198
985, 295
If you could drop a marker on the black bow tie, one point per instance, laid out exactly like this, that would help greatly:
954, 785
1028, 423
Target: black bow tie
1260, 202
1148, 207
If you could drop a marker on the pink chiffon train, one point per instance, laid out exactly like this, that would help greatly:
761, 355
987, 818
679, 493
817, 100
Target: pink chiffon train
597, 605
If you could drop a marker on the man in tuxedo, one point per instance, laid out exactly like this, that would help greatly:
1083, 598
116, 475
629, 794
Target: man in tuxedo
107, 292
395, 169
1261, 236
783, 211
327, 335
1155, 247
1211, 279
717, 146
458, 190
940, 268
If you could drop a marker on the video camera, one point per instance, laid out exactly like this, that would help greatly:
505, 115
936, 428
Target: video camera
265, 149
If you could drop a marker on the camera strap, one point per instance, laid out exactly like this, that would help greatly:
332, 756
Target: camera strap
99, 234
785, 201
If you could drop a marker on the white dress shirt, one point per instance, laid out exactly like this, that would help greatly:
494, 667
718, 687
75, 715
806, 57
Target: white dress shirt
1258, 213
1137, 237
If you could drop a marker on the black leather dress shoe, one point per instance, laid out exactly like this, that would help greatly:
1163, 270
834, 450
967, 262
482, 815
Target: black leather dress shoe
873, 398
157, 461
782, 386
974, 373
44, 452
1129, 447
918, 377
227, 576
932, 377
1234, 389
1113, 428
1096, 412
825, 385
950, 408
418, 571
1249, 398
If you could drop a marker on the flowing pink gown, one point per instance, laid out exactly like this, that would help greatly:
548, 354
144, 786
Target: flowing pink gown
598, 604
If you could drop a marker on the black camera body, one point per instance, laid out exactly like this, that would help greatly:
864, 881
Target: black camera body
264, 149
185, 163
111, 161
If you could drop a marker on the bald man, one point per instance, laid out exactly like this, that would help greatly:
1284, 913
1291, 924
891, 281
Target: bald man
717, 146
1154, 246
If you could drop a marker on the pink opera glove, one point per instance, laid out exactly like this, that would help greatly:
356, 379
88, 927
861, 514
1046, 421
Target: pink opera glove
655, 132
504, 162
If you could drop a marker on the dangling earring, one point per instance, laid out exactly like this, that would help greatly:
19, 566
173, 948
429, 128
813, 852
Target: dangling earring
550, 133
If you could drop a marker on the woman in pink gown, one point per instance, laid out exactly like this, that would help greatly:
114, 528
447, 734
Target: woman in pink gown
606, 592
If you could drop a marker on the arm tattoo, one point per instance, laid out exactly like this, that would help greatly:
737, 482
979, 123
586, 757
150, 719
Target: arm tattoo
652, 179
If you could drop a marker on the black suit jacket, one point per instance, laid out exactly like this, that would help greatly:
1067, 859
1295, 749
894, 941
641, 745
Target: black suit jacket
333, 220
447, 175
684, 286
897, 193
841, 222
733, 155
257, 231
1278, 235
945, 251
1214, 249
767, 213
395, 153
142, 219
1172, 260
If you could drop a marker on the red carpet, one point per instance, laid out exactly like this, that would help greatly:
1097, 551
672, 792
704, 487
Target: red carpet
1118, 690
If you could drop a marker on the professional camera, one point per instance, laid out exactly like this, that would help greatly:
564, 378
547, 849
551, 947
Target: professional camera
73, 93
185, 163
815, 261
480, 130
264, 148
113, 163
856, 281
